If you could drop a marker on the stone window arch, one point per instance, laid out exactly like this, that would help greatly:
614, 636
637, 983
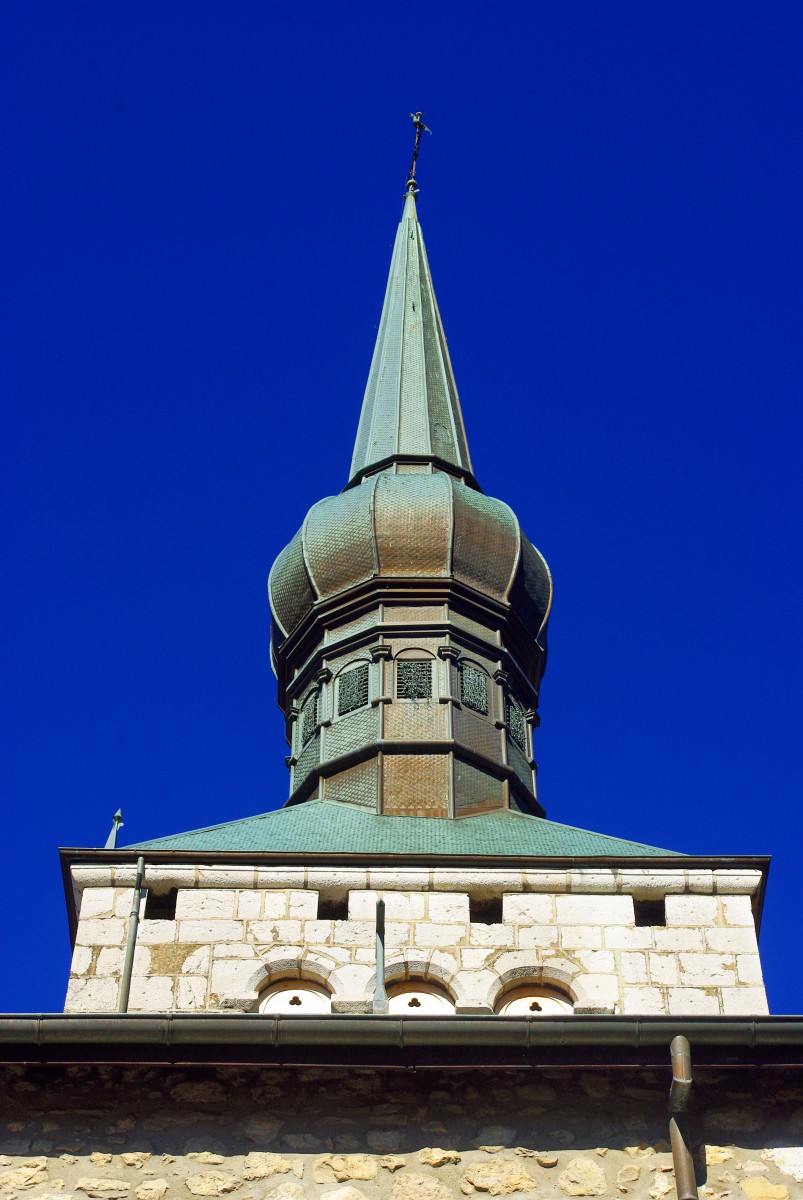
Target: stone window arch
534, 1000
415, 671
352, 688
299, 996
418, 998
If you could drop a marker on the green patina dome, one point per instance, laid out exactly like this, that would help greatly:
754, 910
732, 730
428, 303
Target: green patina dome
415, 525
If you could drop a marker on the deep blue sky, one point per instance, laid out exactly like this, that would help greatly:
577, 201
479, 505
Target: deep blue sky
198, 209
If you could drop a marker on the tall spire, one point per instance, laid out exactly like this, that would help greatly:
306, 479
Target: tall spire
411, 409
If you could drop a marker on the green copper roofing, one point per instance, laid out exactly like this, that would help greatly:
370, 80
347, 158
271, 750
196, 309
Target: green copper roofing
411, 407
318, 827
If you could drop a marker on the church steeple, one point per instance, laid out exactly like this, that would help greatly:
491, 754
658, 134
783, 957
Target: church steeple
410, 611
411, 410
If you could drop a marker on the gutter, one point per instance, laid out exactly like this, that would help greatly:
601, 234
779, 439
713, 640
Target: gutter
397, 1042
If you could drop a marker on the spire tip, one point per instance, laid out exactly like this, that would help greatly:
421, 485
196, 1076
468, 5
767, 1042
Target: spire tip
417, 118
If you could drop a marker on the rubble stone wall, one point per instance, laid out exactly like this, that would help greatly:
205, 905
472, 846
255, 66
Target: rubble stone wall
237, 930
156, 1133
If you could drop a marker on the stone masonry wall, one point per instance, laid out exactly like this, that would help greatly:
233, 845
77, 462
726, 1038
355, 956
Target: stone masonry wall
148, 1133
237, 930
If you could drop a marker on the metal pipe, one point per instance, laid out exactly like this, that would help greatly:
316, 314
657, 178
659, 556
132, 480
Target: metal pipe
679, 1095
131, 943
380, 1003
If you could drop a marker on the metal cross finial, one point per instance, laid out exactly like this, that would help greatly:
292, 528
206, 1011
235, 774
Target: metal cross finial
420, 128
117, 822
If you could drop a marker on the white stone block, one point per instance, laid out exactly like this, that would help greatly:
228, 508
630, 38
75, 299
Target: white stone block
431, 933
406, 880
154, 933
81, 960
707, 970
230, 977
633, 967
678, 939
97, 902
664, 969
226, 877
475, 987
354, 933
553, 882
449, 906
739, 883
597, 961
191, 993
205, 904
110, 961
101, 931
592, 881
619, 937
528, 909
748, 969
691, 910
645, 1000
739, 940
198, 961
302, 905
399, 906
249, 905
151, 993
163, 878
477, 883
701, 883
744, 1001
316, 931
445, 962
268, 933
274, 905
594, 910
92, 877
736, 910
230, 950
581, 937
484, 935
281, 877
123, 900
600, 991
210, 931
336, 879
650, 884
529, 937
691, 1002
91, 995
474, 959
398, 933
351, 982
141, 964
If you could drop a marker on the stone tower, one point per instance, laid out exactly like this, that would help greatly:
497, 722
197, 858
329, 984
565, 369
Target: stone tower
409, 643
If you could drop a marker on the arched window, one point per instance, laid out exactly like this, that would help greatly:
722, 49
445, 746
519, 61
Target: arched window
474, 688
352, 689
418, 998
516, 724
414, 678
309, 718
534, 1000
295, 996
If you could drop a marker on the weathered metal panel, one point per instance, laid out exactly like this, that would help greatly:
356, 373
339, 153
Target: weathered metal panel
357, 785
339, 540
415, 785
413, 524
477, 733
351, 732
486, 536
475, 790
416, 720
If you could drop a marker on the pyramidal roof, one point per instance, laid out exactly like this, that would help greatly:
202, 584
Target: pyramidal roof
411, 408
321, 827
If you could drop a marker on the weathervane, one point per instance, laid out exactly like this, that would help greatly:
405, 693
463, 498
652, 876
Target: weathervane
420, 128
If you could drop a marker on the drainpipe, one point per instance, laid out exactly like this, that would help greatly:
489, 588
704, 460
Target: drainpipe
679, 1095
380, 1004
130, 946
